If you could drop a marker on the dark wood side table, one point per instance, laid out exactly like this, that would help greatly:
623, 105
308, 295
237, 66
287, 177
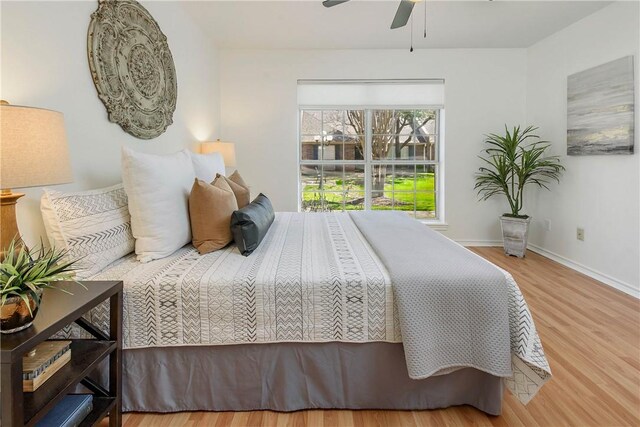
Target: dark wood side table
58, 310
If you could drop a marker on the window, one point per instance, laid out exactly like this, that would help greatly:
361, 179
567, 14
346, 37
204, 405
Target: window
371, 158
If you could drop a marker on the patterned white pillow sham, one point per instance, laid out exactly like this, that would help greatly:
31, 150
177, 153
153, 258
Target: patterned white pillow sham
94, 226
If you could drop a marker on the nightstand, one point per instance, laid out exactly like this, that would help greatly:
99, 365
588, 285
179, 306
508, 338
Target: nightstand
58, 310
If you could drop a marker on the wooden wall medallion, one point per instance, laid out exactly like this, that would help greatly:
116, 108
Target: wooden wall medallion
132, 68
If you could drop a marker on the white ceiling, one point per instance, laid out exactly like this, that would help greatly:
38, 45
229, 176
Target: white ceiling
362, 24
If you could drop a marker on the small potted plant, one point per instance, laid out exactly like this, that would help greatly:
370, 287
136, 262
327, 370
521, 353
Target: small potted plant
513, 161
22, 280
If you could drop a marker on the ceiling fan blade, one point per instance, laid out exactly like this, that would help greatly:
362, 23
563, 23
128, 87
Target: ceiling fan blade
403, 14
331, 3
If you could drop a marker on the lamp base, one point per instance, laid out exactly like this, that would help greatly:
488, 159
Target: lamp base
8, 223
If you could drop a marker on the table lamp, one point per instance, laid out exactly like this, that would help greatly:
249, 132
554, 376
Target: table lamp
33, 153
227, 149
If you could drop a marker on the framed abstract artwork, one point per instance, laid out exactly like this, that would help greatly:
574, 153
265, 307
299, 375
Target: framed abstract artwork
600, 109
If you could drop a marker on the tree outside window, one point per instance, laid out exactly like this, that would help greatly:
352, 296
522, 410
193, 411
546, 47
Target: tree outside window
381, 159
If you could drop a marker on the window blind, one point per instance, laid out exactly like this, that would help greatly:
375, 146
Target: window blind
371, 92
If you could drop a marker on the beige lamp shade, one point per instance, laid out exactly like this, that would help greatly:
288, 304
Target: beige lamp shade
227, 149
33, 147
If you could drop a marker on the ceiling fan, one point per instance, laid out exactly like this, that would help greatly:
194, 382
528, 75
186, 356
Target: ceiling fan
402, 14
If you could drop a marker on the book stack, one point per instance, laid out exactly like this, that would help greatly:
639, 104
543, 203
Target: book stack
72, 409
44, 361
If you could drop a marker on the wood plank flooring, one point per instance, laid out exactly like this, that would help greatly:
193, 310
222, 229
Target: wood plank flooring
590, 333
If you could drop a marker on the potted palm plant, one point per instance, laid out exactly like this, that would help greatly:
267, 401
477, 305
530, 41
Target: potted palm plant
23, 277
512, 162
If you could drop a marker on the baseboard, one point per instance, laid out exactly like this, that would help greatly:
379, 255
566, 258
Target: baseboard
594, 274
480, 242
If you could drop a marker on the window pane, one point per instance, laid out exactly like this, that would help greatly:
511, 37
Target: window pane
331, 178
431, 148
338, 150
329, 150
333, 201
382, 122
354, 122
322, 202
425, 178
404, 178
311, 122
313, 184
312, 202
395, 147
353, 148
311, 176
310, 148
381, 147
381, 181
340, 180
425, 205
354, 201
404, 184
332, 122
404, 150
415, 149
382, 204
404, 123
425, 122
353, 185
404, 201
354, 177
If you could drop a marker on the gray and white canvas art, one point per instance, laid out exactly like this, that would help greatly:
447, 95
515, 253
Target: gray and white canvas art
600, 104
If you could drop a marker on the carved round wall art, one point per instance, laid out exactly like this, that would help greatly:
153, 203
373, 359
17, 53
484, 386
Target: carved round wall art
132, 68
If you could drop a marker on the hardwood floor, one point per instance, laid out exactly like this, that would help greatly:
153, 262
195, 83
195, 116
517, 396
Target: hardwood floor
590, 333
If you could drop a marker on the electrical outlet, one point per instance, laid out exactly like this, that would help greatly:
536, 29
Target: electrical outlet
546, 224
580, 234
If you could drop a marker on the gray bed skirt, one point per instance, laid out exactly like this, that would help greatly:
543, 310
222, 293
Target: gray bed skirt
294, 376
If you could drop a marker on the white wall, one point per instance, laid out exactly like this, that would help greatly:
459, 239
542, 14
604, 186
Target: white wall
484, 89
44, 64
599, 193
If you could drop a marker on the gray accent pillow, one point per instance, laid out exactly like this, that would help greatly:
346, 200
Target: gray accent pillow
250, 224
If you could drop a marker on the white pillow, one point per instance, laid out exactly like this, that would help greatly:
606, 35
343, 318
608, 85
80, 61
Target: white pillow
158, 188
207, 165
94, 226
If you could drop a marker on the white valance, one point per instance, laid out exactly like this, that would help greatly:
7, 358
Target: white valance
401, 93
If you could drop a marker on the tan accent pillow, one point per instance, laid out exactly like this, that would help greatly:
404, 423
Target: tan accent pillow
210, 209
239, 188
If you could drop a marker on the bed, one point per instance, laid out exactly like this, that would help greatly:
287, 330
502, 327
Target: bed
333, 310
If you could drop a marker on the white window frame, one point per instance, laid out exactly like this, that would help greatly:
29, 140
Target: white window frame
439, 221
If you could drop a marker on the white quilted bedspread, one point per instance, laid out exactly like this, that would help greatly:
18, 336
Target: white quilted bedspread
313, 279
